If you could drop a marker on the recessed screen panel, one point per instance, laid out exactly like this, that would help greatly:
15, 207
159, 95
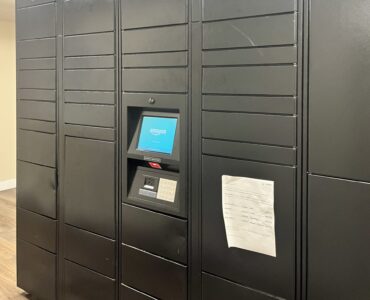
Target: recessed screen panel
157, 134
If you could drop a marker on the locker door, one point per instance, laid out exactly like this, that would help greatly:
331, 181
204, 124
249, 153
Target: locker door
37, 215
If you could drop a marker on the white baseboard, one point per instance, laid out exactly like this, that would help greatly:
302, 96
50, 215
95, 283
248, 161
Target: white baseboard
8, 184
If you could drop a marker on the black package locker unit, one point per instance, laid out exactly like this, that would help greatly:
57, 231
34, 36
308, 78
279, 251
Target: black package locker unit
338, 206
267, 89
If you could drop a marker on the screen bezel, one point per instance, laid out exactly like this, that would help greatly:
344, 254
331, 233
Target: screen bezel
140, 132
156, 156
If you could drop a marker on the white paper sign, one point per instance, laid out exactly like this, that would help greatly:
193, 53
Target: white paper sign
248, 209
167, 190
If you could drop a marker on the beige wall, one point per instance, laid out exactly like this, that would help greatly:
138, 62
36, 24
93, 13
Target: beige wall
7, 97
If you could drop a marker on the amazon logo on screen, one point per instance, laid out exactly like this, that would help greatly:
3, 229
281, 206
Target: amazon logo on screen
156, 132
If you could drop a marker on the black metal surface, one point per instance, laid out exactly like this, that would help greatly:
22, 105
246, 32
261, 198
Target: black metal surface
242, 62
36, 125
89, 80
250, 151
338, 239
155, 80
89, 62
37, 230
337, 259
250, 32
37, 110
82, 283
241, 266
36, 271
339, 92
27, 3
89, 97
36, 48
36, 22
37, 64
89, 193
88, 149
157, 39
260, 129
89, 44
128, 293
163, 12
263, 80
36, 148
36, 79
219, 9
82, 16
156, 276
90, 250
156, 233
250, 104
170, 59
92, 115
215, 288
36, 190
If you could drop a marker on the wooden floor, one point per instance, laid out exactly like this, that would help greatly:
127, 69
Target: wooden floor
8, 289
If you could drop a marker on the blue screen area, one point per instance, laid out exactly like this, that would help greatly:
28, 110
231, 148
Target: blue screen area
157, 134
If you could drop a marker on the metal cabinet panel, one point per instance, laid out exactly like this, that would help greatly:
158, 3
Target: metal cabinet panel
338, 239
36, 188
36, 22
37, 63
250, 56
37, 79
263, 80
89, 62
37, 147
81, 16
155, 80
36, 110
176, 59
156, 233
273, 275
128, 293
36, 48
89, 97
172, 38
250, 32
36, 125
91, 115
35, 94
144, 13
37, 230
339, 89
78, 248
252, 104
220, 9
27, 3
36, 271
89, 132
89, 44
81, 283
147, 273
215, 288
95, 80
255, 128
163, 100
251, 151
89, 185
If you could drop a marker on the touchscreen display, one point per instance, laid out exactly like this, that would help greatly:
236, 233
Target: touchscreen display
157, 134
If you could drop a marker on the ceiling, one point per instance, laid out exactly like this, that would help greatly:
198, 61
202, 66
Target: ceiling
7, 8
